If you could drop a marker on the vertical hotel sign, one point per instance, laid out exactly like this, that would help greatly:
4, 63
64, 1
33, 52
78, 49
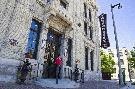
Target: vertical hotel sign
103, 25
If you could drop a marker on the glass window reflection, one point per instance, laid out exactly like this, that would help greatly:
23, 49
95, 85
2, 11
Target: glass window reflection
33, 39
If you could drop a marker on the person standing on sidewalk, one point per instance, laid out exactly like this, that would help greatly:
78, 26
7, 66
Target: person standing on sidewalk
45, 68
24, 71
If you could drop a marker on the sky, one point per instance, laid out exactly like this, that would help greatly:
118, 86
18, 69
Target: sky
124, 21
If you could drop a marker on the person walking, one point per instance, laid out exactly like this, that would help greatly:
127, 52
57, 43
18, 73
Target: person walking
58, 63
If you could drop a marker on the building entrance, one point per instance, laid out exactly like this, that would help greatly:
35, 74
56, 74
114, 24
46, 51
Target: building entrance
52, 50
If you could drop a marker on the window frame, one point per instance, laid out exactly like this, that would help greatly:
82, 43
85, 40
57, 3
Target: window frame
85, 10
90, 15
69, 51
64, 4
85, 28
86, 58
92, 60
32, 32
91, 32
121, 61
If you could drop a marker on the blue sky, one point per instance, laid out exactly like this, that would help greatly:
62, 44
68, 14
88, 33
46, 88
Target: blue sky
124, 20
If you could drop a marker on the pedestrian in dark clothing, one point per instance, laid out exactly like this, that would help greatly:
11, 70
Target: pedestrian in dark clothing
45, 67
24, 70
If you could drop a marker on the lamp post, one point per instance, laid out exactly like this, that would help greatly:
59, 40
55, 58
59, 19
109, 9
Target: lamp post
117, 46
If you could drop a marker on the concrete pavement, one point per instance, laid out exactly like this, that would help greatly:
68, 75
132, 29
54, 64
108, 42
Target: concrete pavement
128, 87
86, 85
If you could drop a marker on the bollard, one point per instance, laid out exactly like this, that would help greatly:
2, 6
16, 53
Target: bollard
82, 75
71, 74
68, 73
31, 71
57, 70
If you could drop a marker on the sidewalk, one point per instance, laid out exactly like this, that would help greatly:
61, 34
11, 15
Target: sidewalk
63, 84
128, 87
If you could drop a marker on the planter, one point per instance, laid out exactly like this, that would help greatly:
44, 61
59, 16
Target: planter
106, 75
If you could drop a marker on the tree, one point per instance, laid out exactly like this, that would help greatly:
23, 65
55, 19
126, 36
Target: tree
132, 62
132, 59
133, 53
107, 62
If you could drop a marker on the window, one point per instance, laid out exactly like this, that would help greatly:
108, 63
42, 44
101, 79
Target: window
121, 54
114, 70
109, 50
126, 52
85, 11
69, 51
91, 32
121, 61
85, 28
63, 4
86, 59
33, 40
91, 58
90, 14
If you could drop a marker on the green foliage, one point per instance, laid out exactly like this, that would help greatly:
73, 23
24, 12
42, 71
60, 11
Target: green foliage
132, 53
107, 62
131, 60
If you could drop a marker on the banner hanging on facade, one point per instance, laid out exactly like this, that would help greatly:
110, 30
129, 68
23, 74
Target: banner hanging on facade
103, 25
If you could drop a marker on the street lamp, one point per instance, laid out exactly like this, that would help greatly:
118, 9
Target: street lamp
117, 46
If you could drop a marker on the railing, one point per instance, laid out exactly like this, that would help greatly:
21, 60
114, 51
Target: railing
76, 75
36, 72
82, 76
68, 72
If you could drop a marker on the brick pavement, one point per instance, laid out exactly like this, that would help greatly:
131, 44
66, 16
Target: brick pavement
86, 85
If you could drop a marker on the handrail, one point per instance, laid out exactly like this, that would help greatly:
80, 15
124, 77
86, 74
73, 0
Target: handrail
77, 74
